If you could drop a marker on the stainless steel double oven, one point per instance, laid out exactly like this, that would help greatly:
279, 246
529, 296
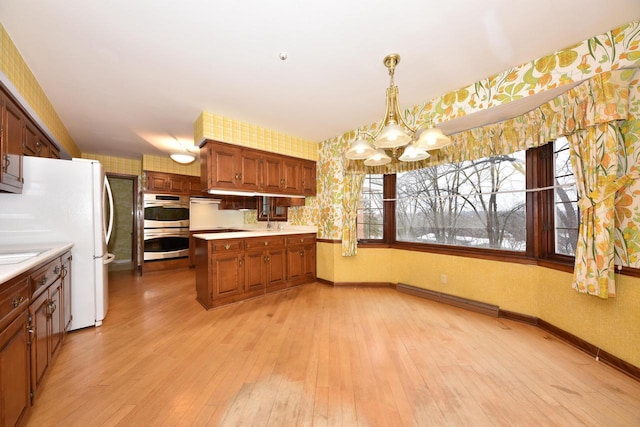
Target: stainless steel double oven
166, 226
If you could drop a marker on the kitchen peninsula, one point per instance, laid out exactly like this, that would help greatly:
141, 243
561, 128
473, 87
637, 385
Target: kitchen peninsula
238, 264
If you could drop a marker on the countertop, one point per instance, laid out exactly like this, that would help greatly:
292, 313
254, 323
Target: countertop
248, 231
46, 251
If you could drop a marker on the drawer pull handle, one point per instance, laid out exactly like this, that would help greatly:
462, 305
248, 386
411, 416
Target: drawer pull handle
56, 270
266, 243
17, 301
43, 280
301, 240
227, 247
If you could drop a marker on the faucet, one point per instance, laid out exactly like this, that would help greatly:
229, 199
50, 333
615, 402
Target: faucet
269, 225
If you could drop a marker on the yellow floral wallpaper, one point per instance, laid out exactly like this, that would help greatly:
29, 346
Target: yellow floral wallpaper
13, 66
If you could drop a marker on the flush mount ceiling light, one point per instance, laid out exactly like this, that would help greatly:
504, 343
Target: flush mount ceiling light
182, 158
379, 148
182, 154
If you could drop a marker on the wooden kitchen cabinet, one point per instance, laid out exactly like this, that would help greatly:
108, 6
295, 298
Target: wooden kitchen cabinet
36, 144
219, 271
33, 313
291, 182
11, 138
272, 173
168, 183
14, 351
265, 267
269, 265
49, 314
66, 291
19, 136
40, 343
228, 167
14, 371
46, 320
308, 177
301, 259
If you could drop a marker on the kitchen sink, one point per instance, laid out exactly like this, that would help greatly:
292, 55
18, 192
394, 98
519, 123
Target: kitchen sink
16, 257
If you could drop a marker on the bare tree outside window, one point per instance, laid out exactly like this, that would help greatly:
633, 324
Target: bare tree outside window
478, 203
565, 200
370, 219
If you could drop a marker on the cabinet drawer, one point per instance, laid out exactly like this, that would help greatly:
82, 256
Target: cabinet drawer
231, 245
264, 242
14, 297
301, 239
44, 276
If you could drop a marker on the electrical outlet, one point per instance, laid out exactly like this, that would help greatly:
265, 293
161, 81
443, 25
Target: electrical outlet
443, 279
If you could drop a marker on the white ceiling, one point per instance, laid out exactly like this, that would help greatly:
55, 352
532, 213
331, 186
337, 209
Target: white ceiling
126, 75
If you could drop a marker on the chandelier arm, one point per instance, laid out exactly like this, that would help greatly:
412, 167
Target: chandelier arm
368, 134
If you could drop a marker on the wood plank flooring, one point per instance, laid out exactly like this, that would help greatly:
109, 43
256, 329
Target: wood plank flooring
318, 355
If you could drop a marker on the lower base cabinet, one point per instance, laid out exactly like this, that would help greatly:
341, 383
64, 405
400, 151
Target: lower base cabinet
14, 371
35, 313
232, 270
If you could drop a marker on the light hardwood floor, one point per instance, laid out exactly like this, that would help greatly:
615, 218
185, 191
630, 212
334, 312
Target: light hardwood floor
318, 355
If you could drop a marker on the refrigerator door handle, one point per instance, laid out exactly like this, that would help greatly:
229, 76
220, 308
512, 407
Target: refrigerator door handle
109, 228
108, 259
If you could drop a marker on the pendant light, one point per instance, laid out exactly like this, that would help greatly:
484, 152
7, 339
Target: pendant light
395, 133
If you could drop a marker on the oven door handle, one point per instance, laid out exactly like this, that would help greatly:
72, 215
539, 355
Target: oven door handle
166, 205
151, 235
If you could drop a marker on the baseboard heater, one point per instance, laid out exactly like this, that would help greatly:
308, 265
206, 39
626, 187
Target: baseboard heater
467, 304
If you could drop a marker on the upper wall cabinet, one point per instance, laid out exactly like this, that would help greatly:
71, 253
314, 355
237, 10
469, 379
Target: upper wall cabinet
36, 144
171, 183
19, 136
227, 167
11, 138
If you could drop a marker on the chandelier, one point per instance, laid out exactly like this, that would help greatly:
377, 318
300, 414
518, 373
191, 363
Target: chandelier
379, 148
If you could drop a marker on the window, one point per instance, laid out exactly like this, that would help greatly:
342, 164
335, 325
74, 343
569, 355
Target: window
272, 208
478, 203
479, 208
566, 214
370, 219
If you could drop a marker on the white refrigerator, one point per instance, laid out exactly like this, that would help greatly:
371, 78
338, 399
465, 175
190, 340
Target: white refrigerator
66, 201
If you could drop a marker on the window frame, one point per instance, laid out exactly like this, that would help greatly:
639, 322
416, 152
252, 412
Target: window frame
539, 172
388, 211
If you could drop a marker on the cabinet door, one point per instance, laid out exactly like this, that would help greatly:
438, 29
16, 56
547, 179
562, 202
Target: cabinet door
11, 139
295, 264
255, 270
195, 188
32, 145
156, 182
40, 350
56, 317
276, 269
224, 167
291, 173
250, 171
179, 184
14, 371
308, 180
272, 175
228, 274
309, 270
66, 291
